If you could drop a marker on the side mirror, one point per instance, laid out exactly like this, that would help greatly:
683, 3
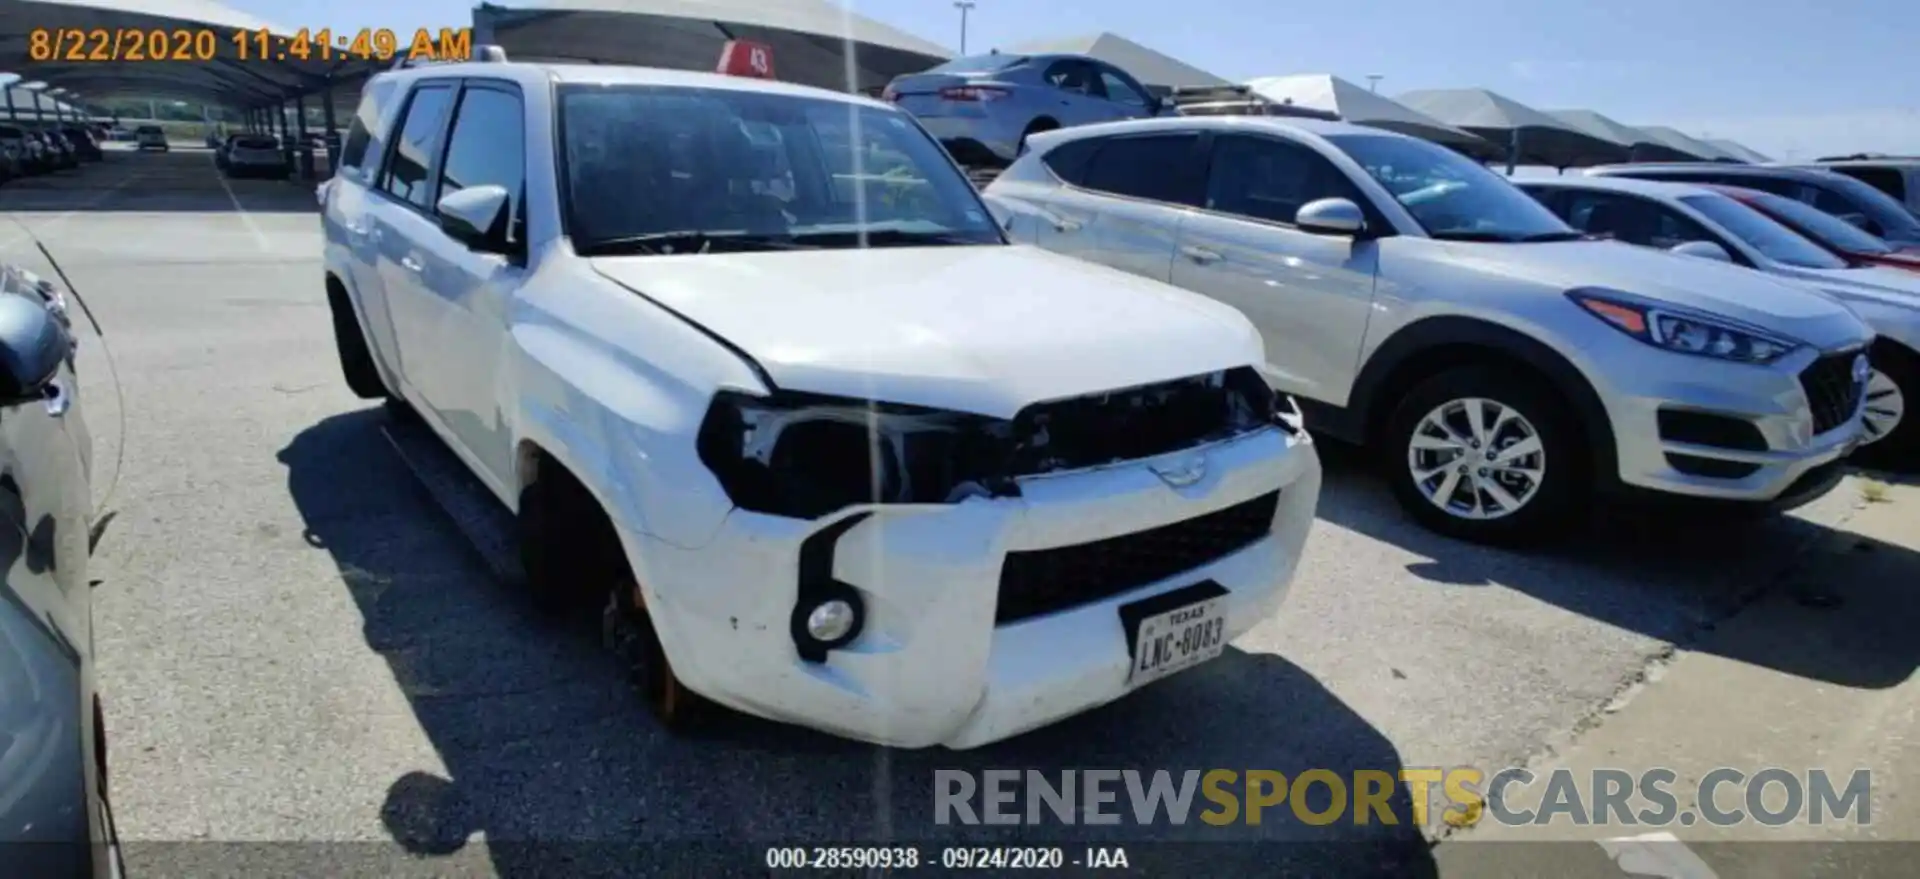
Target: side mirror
32, 346
1331, 216
1703, 250
477, 217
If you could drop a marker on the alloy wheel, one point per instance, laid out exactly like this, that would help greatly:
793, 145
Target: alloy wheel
1886, 405
1476, 458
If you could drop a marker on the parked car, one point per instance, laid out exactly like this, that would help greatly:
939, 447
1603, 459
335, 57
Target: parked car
1873, 211
17, 152
983, 107
61, 153
1838, 236
150, 137
84, 146
1897, 176
34, 156
254, 155
1506, 368
809, 340
1237, 100
1700, 222
54, 819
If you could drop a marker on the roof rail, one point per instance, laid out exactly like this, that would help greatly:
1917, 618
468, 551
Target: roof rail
1238, 100
485, 53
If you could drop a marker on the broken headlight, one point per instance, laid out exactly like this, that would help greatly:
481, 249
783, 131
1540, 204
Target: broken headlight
807, 455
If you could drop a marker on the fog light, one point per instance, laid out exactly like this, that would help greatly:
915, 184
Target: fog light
831, 621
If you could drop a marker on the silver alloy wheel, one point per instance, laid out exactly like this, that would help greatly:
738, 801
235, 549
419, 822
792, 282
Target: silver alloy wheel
1885, 406
1477, 459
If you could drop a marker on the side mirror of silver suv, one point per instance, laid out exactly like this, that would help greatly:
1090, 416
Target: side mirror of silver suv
1331, 216
1703, 250
477, 217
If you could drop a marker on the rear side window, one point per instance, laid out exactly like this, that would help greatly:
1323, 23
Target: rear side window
1265, 179
1148, 167
1887, 180
1068, 161
978, 64
422, 126
487, 146
366, 120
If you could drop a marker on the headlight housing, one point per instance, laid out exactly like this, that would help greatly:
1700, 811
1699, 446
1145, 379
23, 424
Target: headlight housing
1684, 332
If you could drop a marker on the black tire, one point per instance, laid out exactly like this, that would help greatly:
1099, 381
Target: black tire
1565, 480
356, 361
1033, 128
1899, 449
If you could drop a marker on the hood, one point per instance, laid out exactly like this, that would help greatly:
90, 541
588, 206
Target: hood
1687, 282
1880, 283
986, 330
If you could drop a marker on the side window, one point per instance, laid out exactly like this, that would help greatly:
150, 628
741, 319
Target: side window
1144, 167
1887, 180
1073, 75
1270, 180
1554, 200
1120, 91
1609, 215
1069, 161
1671, 229
487, 145
353, 152
1775, 185
1840, 206
422, 125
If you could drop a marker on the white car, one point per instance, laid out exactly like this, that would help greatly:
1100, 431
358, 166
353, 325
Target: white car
1701, 220
756, 370
150, 137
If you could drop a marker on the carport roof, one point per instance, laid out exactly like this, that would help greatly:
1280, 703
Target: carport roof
226, 79
1684, 142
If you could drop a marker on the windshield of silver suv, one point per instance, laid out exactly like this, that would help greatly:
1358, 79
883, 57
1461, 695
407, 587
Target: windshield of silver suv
653, 169
1451, 196
1779, 243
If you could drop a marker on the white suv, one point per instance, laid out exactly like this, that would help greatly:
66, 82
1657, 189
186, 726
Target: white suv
762, 380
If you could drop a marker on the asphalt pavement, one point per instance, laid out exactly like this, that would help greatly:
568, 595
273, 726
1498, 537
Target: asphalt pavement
296, 641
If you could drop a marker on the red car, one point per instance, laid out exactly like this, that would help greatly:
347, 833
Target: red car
1844, 239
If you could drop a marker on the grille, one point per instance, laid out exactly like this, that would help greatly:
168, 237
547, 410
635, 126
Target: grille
1036, 582
1136, 423
1831, 390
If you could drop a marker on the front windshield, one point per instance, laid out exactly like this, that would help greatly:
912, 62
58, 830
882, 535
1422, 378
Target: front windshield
1820, 225
727, 168
1893, 218
1450, 195
1777, 242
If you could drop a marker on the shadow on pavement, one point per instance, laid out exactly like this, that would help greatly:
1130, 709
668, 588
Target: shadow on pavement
183, 180
551, 755
1664, 575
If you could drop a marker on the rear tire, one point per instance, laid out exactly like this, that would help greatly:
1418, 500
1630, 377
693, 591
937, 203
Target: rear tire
1035, 127
1891, 395
356, 360
1485, 493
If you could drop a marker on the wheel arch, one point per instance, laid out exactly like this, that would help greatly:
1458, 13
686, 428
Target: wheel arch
340, 296
1430, 345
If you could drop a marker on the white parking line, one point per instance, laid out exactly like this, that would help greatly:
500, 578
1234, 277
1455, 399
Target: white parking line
1656, 854
259, 239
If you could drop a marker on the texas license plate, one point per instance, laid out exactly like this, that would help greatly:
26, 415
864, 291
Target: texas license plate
1178, 639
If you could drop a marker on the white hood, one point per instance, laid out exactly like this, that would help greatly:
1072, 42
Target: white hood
1879, 283
987, 330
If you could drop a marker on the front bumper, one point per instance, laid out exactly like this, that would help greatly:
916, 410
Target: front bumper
931, 666
1790, 463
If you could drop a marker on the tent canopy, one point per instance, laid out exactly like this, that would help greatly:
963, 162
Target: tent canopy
1321, 91
813, 41
1531, 137
1643, 147
1685, 143
1737, 150
1158, 72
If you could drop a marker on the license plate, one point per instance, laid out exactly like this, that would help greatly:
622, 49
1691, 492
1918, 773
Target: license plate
1177, 639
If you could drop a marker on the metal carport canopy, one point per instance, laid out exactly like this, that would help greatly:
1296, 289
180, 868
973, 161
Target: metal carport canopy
226, 79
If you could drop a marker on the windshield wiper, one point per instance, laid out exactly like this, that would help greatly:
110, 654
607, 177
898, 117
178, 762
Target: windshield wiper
687, 241
888, 238
1542, 237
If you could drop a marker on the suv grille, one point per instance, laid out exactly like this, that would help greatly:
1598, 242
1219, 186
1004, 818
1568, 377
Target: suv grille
1831, 390
1136, 423
1036, 582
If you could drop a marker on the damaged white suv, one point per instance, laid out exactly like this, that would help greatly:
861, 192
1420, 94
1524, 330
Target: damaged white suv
759, 375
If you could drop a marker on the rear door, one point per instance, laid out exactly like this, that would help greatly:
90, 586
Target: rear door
399, 215
1125, 97
1132, 196
1309, 294
1074, 90
348, 216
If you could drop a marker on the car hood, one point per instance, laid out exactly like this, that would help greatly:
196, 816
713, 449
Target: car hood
1688, 282
1880, 283
985, 329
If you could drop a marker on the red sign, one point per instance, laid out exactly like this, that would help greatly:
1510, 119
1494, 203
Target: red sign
747, 58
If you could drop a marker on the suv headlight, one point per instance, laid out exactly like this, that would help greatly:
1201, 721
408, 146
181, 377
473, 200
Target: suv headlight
1682, 331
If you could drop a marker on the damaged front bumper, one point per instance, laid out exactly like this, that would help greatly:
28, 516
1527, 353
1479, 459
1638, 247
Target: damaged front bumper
985, 617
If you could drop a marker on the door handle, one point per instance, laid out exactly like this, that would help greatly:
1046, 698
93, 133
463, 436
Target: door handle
1066, 225
411, 264
1199, 254
58, 401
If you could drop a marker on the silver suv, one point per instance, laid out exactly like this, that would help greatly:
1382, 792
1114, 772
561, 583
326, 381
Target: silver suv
1505, 366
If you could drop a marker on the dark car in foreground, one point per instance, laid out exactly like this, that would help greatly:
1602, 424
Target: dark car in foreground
54, 816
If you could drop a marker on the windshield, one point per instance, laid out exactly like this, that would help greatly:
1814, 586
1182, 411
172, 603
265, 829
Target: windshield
1450, 195
743, 169
255, 143
978, 64
1819, 225
1895, 221
1777, 242
147, 129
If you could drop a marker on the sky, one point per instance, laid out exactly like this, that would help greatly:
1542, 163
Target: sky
1794, 80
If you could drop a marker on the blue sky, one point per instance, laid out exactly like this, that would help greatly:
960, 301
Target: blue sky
1791, 79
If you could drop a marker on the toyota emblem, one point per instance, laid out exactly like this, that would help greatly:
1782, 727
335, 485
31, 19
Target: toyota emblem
1182, 473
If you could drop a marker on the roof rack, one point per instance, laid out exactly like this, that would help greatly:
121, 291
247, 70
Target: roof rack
1238, 100
485, 53
1857, 157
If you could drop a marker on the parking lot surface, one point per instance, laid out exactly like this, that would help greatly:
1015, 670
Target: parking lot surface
297, 643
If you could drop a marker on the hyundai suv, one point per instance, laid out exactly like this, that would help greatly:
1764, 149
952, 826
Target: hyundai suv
1505, 366
763, 381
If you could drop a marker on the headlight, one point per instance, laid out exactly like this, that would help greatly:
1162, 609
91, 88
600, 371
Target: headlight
1684, 332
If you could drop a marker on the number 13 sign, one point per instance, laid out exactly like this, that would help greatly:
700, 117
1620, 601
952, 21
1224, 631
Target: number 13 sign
747, 58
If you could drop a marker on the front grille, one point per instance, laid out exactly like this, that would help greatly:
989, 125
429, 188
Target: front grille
1136, 423
1831, 390
1042, 581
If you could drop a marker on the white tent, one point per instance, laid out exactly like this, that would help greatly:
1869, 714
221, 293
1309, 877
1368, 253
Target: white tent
1686, 143
1737, 150
1156, 71
1532, 137
1321, 91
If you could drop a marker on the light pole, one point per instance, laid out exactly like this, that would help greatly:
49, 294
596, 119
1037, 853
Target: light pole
1373, 82
965, 6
